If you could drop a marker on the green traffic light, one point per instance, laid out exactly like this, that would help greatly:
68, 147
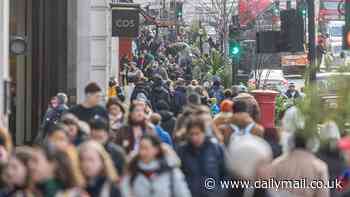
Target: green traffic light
303, 12
235, 50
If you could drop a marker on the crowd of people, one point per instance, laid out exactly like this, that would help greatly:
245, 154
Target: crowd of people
166, 139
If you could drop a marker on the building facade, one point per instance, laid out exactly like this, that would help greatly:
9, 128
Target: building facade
68, 46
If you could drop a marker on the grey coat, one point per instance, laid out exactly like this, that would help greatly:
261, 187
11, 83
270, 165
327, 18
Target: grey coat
157, 186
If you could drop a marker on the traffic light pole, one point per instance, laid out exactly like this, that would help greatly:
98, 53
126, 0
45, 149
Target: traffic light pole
312, 40
235, 64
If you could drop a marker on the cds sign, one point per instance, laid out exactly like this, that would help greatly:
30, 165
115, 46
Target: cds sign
125, 22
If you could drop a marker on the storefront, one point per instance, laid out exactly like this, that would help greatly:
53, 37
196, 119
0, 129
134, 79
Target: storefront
68, 45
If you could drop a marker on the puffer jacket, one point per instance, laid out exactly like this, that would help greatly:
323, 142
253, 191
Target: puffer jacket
199, 164
166, 180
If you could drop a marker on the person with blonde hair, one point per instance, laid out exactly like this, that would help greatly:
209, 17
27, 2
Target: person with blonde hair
98, 170
16, 174
69, 173
5, 145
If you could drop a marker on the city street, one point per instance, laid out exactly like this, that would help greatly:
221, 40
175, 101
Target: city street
174, 98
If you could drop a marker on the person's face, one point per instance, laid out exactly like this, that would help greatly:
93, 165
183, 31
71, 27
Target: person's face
15, 173
147, 151
94, 98
292, 88
138, 114
115, 110
73, 131
99, 135
197, 136
91, 163
40, 168
54, 102
59, 139
3, 155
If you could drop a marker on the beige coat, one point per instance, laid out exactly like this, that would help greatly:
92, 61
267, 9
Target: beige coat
297, 165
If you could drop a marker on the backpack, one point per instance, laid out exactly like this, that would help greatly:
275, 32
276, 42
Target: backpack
239, 132
139, 90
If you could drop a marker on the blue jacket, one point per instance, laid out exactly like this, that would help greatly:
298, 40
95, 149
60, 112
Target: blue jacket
201, 163
163, 135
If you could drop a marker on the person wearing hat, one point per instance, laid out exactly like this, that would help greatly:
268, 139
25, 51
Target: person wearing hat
292, 93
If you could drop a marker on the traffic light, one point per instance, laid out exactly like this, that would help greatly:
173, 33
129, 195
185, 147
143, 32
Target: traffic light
276, 8
234, 48
302, 8
179, 7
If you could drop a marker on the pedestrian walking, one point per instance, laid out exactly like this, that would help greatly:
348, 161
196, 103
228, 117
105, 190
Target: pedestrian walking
116, 114
137, 125
152, 174
217, 90
100, 134
159, 92
168, 118
179, 100
90, 107
43, 170
201, 159
142, 88
98, 170
58, 106
162, 134
75, 131
292, 93
16, 174
297, 165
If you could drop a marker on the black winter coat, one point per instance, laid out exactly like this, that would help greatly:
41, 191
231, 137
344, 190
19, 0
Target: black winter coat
201, 163
117, 155
168, 121
159, 93
141, 87
179, 100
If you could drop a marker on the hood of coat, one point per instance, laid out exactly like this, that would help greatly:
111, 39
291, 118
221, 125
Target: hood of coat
166, 115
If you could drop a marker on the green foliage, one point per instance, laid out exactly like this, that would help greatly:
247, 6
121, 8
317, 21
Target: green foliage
194, 35
313, 112
204, 68
280, 107
342, 113
316, 110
